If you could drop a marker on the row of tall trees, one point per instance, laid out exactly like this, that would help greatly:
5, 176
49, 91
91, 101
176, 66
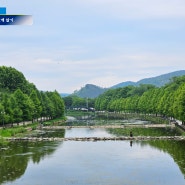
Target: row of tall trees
77, 102
22, 101
167, 101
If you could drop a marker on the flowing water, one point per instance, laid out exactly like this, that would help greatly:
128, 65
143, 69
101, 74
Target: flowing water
92, 163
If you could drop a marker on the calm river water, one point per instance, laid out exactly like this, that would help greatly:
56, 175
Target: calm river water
93, 163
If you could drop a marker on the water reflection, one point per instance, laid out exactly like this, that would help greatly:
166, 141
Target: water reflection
91, 120
87, 132
175, 148
102, 162
16, 156
105, 163
131, 143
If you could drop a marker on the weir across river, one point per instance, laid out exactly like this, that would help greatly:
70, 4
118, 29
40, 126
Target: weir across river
112, 138
113, 126
137, 138
94, 139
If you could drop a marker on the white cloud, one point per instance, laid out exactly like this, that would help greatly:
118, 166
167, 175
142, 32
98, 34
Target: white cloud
69, 75
129, 9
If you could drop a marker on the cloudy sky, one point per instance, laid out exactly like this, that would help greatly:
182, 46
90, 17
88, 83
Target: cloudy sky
102, 42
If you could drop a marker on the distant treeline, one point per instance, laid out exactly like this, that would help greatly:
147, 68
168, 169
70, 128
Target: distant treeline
74, 101
20, 100
168, 101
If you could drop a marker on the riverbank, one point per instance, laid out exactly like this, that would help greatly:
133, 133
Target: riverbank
120, 129
23, 128
18, 130
153, 118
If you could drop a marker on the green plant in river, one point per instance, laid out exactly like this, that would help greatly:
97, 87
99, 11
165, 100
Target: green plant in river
57, 121
78, 113
146, 131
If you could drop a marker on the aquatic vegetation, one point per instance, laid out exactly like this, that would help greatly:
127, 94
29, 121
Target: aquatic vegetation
146, 131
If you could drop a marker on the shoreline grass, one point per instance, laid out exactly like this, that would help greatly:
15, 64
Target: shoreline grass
18, 131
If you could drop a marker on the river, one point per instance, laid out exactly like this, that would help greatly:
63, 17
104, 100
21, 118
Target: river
92, 163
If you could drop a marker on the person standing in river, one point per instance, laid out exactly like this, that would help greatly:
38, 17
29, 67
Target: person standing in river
131, 135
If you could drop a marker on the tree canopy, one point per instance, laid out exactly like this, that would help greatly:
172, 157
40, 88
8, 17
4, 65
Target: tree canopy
168, 101
20, 100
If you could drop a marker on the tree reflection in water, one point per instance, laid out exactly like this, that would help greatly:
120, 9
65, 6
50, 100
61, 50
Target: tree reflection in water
15, 156
175, 148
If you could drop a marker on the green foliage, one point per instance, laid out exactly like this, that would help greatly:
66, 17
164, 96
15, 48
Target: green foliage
37, 108
57, 121
11, 79
179, 104
146, 132
12, 131
168, 101
57, 104
21, 101
77, 102
78, 113
68, 100
103, 101
25, 104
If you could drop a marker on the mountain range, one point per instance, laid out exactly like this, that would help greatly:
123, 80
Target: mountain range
93, 91
158, 81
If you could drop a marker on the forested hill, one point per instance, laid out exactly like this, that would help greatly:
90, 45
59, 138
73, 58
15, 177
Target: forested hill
20, 100
93, 91
158, 81
89, 91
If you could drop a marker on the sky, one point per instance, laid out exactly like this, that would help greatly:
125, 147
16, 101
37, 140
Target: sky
102, 42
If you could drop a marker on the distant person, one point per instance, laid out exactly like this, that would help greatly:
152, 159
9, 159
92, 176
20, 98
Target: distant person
131, 135
130, 143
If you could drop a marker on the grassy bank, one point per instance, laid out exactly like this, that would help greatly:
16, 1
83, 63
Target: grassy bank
54, 122
17, 130
78, 113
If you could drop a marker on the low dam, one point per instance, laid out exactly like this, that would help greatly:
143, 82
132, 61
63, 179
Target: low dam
137, 138
113, 126
110, 138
